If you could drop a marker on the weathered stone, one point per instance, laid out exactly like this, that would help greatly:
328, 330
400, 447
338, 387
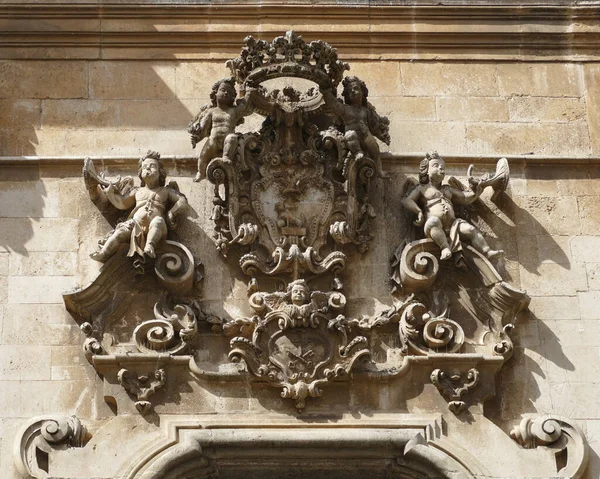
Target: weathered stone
543, 216
592, 99
38, 289
20, 114
45, 234
29, 199
445, 79
542, 109
588, 304
79, 114
555, 308
132, 80
61, 79
529, 138
554, 280
472, 109
540, 79
589, 214
26, 363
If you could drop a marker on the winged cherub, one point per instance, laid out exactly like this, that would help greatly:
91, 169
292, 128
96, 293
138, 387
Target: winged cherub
362, 124
154, 208
433, 203
218, 122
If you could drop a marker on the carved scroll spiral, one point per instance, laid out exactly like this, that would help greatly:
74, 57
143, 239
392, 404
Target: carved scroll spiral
419, 266
443, 333
171, 332
175, 268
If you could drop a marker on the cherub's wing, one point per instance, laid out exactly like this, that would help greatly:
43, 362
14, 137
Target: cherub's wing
319, 299
274, 301
379, 125
462, 211
173, 185
200, 126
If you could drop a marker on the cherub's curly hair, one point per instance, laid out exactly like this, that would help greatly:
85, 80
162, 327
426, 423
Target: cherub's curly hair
424, 166
213, 92
162, 172
363, 86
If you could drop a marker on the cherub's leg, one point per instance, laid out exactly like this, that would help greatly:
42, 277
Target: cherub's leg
157, 231
122, 234
435, 231
353, 144
209, 151
373, 150
474, 236
229, 146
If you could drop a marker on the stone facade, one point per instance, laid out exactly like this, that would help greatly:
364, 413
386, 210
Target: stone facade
475, 83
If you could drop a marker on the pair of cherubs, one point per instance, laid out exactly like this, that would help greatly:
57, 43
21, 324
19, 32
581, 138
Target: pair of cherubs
433, 202
154, 208
217, 122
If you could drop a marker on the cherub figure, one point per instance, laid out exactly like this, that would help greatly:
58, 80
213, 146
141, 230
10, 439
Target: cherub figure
155, 207
362, 124
299, 297
218, 122
433, 202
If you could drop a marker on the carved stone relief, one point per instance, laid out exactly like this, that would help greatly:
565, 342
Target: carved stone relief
292, 207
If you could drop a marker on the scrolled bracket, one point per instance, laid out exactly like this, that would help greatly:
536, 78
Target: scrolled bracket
42, 436
559, 434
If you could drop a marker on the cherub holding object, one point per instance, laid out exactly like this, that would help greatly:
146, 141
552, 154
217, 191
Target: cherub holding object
218, 122
362, 124
433, 203
155, 207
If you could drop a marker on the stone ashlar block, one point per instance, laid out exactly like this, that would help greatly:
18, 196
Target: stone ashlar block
459, 108
79, 114
26, 363
554, 280
449, 79
588, 304
29, 199
547, 216
543, 109
405, 108
41, 79
555, 307
48, 263
589, 215
39, 289
158, 114
23, 235
540, 79
20, 114
132, 80
519, 139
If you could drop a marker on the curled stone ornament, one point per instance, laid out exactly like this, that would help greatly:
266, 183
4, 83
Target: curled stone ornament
175, 268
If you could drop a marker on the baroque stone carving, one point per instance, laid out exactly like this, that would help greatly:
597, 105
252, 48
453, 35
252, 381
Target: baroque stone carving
299, 340
42, 436
153, 208
453, 387
142, 386
291, 204
560, 435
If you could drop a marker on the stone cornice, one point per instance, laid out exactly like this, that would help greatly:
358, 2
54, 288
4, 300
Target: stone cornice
409, 159
361, 30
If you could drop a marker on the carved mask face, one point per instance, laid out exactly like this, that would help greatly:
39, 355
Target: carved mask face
299, 295
150, 171
436, 170
225, 94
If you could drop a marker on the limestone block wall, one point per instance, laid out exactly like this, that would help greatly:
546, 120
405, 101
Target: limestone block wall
544, 114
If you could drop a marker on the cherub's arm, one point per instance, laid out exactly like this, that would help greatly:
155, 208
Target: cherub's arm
122, 202
179, 202
410, 203
332, 102
464, 197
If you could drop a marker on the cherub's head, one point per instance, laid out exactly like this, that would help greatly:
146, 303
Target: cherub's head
223, 92
431, 168
299, 292
150, 167
355, 91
